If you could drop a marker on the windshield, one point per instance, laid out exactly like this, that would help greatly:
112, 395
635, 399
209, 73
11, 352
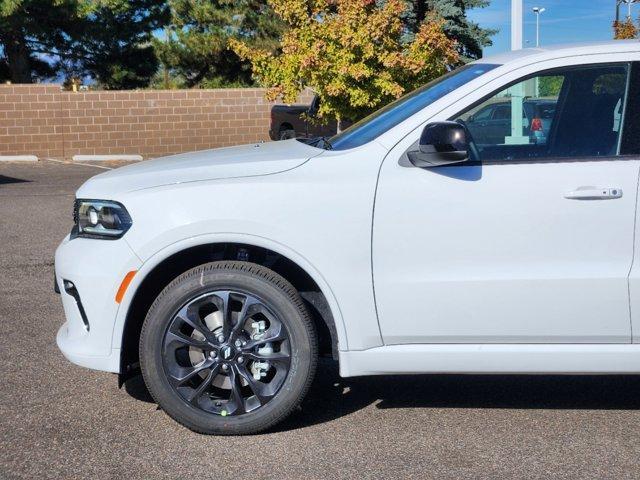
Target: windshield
396, 112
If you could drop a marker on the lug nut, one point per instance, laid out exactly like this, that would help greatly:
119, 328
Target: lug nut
220, 338
240, 359
212, 355
225, 367
238, 343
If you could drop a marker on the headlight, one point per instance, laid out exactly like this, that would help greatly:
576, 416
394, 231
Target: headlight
99, 219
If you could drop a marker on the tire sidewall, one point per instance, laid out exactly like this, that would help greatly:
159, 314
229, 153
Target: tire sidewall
287, 134
195, 283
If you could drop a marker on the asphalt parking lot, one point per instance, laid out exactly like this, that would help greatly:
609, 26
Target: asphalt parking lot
61, 421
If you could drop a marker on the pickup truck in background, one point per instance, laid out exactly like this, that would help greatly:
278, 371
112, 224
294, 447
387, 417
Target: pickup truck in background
295, 121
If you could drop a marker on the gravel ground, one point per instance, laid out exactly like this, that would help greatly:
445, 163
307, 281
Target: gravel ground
61, 421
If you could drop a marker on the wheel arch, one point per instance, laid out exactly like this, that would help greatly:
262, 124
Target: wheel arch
167, 264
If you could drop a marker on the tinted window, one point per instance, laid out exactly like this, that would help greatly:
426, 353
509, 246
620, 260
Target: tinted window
572, 112
484, 114
502, 112
396, 112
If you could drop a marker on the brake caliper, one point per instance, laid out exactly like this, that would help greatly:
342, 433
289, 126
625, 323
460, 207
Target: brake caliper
260, 369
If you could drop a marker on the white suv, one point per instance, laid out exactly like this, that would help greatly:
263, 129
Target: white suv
401, 245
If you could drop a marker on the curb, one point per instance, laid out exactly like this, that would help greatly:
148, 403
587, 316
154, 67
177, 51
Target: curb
18, 158
106, 158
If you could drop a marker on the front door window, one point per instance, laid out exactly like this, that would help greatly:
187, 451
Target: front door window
571, 112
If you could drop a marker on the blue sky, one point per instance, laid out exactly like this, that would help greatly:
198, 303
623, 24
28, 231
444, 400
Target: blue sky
564, 21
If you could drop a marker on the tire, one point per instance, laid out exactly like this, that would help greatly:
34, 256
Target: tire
275, 340
286, 134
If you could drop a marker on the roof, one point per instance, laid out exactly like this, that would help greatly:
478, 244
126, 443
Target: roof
552, 51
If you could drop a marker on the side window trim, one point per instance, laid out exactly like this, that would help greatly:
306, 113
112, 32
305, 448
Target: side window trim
561, 103
630, 128
624, 107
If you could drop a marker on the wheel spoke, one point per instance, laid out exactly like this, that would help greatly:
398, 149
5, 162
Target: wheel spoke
236, 392
247, 306
192, 319
272, 358
187, 373
178, 337
261, 390
222, 300
197, 393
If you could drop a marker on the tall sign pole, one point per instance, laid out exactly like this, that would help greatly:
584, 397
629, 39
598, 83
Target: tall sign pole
517, 91
516, 24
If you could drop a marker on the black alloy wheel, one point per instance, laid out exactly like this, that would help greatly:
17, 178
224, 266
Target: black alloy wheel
226, 352
228, 348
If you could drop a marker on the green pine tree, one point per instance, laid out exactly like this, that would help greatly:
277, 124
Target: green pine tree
115, 42
196, 45
470, 37
33, 33
108, 40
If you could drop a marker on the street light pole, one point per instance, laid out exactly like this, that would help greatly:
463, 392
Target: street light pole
629, 6
538, 11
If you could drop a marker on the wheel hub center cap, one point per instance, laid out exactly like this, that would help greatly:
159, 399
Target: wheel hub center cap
227, 352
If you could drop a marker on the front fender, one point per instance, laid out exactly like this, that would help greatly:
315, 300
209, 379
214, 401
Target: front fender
207, 239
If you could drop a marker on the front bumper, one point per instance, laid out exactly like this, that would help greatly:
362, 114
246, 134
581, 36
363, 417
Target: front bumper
96, 268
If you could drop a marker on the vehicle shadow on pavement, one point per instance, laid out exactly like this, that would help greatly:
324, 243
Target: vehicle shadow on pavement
4, 180
137, 389
332, 397
555, 392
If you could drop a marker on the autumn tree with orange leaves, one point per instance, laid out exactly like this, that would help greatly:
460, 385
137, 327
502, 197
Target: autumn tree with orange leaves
625, 30
353, 53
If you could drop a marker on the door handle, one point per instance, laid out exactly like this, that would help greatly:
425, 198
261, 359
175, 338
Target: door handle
594, 193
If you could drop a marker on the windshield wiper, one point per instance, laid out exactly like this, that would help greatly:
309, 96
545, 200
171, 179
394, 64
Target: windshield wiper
318, 142
326, 144
323, 142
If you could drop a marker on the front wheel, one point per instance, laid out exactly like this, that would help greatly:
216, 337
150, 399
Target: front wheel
287, 134
228, 348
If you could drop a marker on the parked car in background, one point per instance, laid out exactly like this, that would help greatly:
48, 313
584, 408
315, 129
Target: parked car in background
299, 121
401, 245
492, 122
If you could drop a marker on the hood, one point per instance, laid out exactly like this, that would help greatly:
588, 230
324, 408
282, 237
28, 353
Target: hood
231, 162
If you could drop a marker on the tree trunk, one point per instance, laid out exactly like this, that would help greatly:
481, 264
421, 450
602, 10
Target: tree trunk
17, 54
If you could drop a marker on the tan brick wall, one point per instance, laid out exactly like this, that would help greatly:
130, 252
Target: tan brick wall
44, 121
31, 120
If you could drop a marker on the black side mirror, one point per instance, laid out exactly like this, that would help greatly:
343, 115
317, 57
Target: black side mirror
441, 143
